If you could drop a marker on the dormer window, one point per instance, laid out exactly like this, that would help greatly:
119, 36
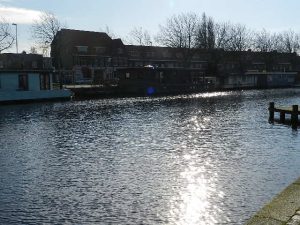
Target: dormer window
82, 49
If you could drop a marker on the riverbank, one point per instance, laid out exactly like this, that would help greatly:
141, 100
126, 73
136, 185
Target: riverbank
86, 92
284, 209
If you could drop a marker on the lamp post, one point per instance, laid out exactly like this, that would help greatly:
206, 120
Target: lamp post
14, 24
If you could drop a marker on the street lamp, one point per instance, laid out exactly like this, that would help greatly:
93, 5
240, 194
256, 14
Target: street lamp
14, 24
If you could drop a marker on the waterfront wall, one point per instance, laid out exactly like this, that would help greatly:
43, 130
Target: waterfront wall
284, 209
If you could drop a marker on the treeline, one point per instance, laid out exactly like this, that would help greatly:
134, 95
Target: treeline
189, 30
186, 30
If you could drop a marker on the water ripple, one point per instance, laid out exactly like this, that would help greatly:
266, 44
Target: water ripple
192, 159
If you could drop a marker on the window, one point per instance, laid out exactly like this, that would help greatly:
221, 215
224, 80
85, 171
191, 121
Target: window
44, 82
23, 82
34, 65
138, 64
150, 54
82, 49
134, 53
100, 50
166, 54
86, 72
170, 65
179, 55
120, 51
161, 75
127, 75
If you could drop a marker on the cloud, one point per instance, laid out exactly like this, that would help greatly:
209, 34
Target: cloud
19, 15
5, 1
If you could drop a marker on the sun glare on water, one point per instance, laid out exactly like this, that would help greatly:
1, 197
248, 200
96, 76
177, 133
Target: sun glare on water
192, 205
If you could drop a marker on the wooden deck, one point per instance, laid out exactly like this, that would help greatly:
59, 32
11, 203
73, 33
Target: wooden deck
286, 110
293, 111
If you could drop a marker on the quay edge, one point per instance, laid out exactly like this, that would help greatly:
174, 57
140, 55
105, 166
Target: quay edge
284, 209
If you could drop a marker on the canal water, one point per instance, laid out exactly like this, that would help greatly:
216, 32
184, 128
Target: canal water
191, 159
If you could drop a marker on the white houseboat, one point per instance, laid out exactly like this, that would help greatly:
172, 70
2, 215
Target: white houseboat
24, 78
255, 79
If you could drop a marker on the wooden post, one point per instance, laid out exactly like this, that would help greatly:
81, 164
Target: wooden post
294, 117
271, 111
282, 117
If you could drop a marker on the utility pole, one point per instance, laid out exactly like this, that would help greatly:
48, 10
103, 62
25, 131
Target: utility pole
14, 24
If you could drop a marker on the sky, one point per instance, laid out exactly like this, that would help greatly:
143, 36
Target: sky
121, 16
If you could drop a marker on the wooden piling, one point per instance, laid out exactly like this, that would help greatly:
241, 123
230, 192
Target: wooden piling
271, 111
293, 111
294, 117
282, 117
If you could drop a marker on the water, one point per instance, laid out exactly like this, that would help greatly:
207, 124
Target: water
193, 159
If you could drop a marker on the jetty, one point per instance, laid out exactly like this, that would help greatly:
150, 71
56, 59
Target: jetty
283, 111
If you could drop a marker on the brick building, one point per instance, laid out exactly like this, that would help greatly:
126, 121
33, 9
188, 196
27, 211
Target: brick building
94, 57
250, 69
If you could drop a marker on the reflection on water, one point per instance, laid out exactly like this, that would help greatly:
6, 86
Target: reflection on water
192, 204
193, 159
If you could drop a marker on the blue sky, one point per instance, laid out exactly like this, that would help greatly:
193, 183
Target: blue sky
122, 15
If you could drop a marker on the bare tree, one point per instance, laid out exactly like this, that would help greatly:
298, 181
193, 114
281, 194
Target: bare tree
206, 33
202, 33
265, 41
139, 36
290, 41
211, 36
223, 35
188, 31
33, 50
179, 31
45, 29
6, 36
241, 38
190, 22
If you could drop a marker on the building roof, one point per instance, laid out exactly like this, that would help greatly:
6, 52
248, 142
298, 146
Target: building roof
22, 61
83, 38
67, 44
20, 71
164, 53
